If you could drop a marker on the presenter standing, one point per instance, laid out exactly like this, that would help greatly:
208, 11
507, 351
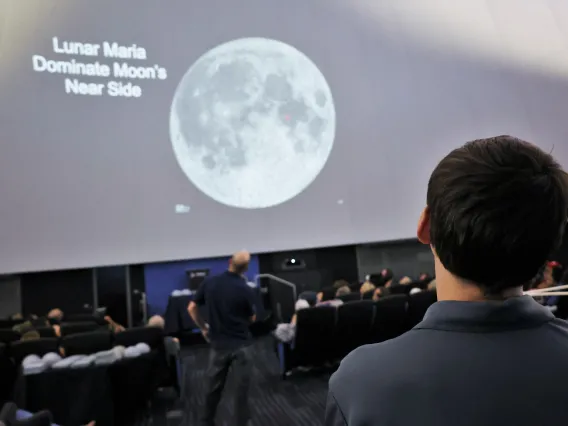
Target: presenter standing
229, 304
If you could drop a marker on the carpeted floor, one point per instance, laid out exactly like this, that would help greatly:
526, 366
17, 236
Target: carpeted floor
299, 400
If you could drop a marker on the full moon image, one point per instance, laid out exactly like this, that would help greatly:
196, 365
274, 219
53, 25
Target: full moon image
252, 123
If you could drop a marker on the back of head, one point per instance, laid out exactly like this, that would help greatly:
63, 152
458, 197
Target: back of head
341, 291
497, 208
340, 283
301, 304
55, 315
156, 321
366, 287
240, 262
30, 335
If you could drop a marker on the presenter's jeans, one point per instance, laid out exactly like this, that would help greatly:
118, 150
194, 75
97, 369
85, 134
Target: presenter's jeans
220, 361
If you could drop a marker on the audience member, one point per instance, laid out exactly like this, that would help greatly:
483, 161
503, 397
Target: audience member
405, 281
55, 316
30, 335
380, 292
341, 291
484, 353
367, 287
432, 284
340, 283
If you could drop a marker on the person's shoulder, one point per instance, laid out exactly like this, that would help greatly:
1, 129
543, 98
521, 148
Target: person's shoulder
370, 367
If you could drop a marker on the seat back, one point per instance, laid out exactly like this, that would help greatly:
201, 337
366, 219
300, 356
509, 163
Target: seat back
152, 336
390, 317
354, 326
418, 304
68, 328
350, 297
9, 336
46, 331
328, 293
86, 318
315, 327
87, 343
40, 347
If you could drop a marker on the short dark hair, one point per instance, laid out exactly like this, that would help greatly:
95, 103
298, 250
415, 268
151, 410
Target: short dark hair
498, 208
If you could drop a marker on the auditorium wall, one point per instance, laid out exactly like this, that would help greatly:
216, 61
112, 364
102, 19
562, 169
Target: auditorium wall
403, 257
314, 268
10, 295
163, 278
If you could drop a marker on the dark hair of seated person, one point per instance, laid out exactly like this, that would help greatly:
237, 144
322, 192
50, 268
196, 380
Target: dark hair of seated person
496, 209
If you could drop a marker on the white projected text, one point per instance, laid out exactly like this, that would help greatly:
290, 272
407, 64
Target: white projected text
99, 69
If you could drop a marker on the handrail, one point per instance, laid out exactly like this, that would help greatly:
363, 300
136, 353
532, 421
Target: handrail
277, 279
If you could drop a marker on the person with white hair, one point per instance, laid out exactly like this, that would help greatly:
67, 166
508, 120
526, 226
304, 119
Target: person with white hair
156, 321
285, 332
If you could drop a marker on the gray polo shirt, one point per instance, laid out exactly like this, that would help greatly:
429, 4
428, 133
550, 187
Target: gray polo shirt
465, 364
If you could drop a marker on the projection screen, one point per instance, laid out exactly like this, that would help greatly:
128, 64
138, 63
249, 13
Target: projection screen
140, 131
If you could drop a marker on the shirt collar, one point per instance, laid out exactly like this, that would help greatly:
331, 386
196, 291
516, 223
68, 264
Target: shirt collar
514, 313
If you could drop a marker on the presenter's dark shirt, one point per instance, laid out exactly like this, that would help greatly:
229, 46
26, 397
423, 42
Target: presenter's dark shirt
466, 364
229, 303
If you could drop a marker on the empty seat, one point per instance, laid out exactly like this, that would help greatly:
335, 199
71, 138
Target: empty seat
152, 336
87, 343
9, 336
68, 328
350, 297
418, 304
314, 342
354, 326
39, 347
390, 317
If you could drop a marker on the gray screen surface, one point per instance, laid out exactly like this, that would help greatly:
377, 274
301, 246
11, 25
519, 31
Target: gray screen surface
140, 131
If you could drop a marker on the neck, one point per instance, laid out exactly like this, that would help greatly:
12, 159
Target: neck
450, 287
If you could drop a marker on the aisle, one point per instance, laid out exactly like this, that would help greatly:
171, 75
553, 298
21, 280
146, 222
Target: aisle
297, 401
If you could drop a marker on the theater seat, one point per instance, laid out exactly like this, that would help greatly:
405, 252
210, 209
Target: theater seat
9, 336
87, 343
328, 293
350, 297
85, 318
390, 318
418, 304
40, 347
7, 374
46, 331
68, 328
152, 336
314, 341
354, 326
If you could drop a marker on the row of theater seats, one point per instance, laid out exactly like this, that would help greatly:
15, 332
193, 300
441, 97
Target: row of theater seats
7, 335
326, 334
84, 343
11, 355
328, 293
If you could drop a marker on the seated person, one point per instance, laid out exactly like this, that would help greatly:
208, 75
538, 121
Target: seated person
367, 287
29, 335
405, 280
286, 332
432, 284
336, 302
380, 292
113, 326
